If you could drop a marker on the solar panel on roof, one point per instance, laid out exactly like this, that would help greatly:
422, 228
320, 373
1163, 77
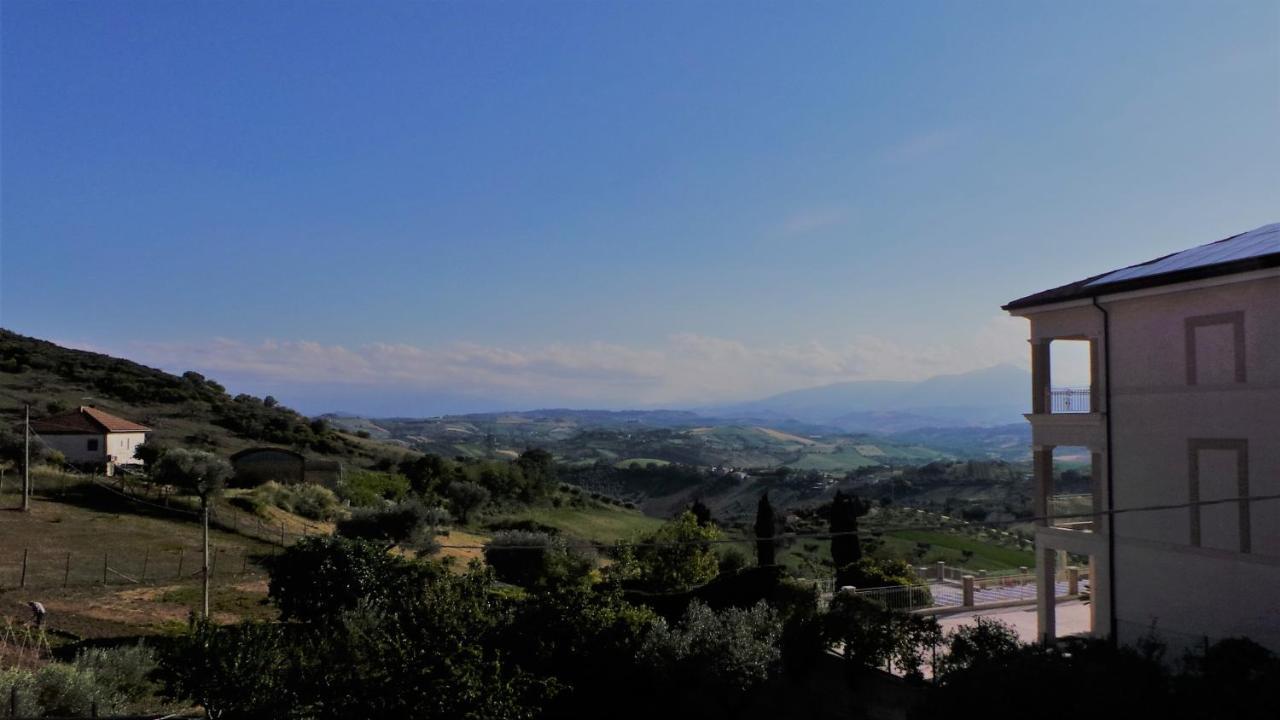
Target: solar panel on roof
1255, 243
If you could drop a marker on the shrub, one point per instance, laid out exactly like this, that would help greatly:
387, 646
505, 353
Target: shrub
467, 497
65, 690
310, 501
534, 559
315, 502
874, 636
714, 656
19, 685
368, 488
408, 523
984, 641
732, 560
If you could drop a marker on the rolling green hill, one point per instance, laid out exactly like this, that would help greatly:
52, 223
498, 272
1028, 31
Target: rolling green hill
188, 410
585, 437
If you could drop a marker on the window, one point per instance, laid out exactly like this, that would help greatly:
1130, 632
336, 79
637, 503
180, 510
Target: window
1219, 470
92, 445
1215, 349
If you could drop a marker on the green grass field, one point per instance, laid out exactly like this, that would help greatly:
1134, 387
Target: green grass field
597, 524
950, 547
845, 458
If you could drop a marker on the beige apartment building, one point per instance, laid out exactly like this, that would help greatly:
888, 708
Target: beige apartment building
1180, 528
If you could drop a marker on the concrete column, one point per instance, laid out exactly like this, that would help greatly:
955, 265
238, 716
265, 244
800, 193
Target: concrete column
1095, 377
1042, 463
1097, 489
1073, 581
966, 584
1045, 600
1099, 595
1040, 376
942, 571
1023, 570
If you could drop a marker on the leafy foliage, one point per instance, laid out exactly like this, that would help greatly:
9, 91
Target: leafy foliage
986, 640
112, 680
195, 471
714, 656
372, 636
675, 557
876, 637
410, 523
534, 559
321, 577
370, 488
306, 499
467, 497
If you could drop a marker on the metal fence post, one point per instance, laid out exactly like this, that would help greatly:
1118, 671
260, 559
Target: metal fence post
23, 582
146, 557
66, 571
182, 551
104, 568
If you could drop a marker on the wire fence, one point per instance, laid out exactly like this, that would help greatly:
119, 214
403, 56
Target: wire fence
29, 565
38, 568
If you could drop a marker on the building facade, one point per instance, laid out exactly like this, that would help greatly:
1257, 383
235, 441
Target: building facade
89, 436
1181, 421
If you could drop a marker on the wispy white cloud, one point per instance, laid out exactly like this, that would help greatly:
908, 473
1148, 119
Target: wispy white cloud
812, 220
685, 369
921, 145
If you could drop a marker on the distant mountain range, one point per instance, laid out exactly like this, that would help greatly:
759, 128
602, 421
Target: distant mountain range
997, 395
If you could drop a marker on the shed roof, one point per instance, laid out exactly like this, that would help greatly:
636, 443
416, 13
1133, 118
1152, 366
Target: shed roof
1253, 250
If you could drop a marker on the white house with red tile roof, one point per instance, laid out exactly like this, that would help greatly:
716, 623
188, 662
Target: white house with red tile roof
88, 435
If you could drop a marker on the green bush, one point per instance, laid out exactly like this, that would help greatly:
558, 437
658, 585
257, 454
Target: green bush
369, 488
408, 523
65, 690
124, 672
315, 502
534, 559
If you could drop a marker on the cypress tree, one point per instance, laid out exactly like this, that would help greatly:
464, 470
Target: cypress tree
701, 512
764, 532
846, 549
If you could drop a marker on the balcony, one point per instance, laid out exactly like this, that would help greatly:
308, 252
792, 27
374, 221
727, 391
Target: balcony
1076, 507
1063, 400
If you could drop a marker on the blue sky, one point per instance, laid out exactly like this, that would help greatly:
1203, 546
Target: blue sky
427, 207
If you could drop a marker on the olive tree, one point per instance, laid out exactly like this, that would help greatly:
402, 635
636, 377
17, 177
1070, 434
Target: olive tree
200, 473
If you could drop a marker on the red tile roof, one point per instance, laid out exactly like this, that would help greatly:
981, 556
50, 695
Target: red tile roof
86, 421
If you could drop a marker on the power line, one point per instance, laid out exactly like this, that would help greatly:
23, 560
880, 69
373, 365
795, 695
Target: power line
829, 535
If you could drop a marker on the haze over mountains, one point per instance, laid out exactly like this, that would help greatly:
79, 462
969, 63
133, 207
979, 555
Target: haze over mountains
989, 397
996, 395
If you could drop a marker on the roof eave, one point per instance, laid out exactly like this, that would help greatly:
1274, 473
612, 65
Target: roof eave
1085, 291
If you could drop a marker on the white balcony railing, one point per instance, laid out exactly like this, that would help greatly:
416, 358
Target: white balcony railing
1070, 400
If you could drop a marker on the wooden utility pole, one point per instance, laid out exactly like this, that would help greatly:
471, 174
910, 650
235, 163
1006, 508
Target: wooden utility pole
204, 505
26, 462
